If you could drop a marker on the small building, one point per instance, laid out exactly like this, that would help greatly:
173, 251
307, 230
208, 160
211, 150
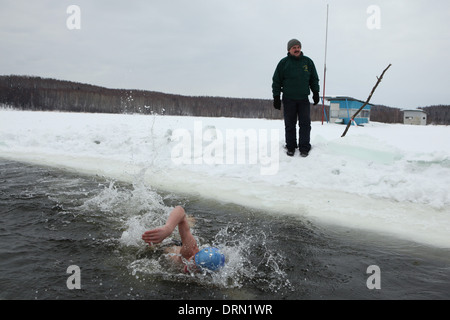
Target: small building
343, 108
416, 116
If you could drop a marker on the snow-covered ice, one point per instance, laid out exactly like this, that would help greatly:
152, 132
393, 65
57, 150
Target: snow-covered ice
387, 178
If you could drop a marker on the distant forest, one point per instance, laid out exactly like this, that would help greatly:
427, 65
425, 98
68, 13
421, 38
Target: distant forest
43, 94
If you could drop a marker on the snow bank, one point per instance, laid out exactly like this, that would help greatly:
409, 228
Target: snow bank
386, 178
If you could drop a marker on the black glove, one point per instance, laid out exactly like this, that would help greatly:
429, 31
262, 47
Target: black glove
277, 102
316, 98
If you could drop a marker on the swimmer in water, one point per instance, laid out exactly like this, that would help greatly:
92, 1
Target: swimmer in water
207, 258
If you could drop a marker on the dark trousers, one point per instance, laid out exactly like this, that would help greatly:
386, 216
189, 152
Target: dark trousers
297, 110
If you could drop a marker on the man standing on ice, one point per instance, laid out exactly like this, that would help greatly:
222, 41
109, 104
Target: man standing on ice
295, 75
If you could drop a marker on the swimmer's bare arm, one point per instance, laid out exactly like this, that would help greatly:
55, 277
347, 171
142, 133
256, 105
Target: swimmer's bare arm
176, 218
157, 235
189, 247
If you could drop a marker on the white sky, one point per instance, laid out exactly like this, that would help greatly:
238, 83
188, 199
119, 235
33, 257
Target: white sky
230, 48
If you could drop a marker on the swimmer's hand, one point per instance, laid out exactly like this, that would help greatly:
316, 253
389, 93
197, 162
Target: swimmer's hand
156, 235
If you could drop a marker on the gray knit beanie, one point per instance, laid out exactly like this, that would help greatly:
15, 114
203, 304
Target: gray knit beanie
293, 42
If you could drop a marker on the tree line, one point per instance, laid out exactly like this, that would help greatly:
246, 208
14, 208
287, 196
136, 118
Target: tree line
35, 93
44, 94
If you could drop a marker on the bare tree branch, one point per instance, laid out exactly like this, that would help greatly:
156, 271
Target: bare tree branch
368, 99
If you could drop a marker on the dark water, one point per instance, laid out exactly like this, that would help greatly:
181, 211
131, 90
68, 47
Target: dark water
51, 219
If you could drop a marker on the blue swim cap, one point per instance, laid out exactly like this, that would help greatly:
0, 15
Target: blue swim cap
209, 258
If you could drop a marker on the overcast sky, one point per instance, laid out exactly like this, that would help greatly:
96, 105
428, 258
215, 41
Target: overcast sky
230, 48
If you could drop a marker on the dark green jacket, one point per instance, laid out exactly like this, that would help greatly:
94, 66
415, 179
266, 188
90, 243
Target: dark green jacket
294, 77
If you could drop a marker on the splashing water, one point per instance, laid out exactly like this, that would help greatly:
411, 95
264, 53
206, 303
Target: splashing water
137, 208
248, 260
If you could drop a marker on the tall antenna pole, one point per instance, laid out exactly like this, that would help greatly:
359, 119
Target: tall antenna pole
325, 68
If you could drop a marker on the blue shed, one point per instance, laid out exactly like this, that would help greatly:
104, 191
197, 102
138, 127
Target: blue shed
343, 108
